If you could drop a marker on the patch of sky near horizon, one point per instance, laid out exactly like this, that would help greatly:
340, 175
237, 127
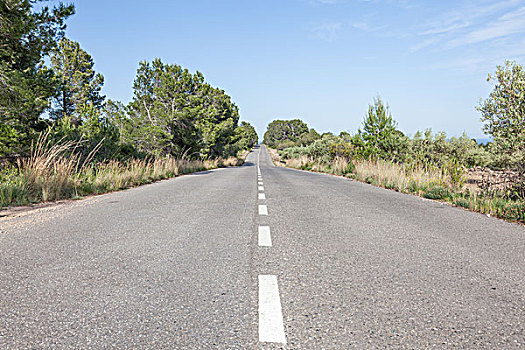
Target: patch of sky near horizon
322, 61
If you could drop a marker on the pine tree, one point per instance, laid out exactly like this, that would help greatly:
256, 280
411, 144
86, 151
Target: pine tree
26, 85
79, 85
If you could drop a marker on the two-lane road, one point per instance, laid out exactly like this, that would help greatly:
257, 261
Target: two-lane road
229, 257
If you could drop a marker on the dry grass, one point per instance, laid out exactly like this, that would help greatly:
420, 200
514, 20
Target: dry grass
243, 154
275, 156
399, 177
386, 174
231, 161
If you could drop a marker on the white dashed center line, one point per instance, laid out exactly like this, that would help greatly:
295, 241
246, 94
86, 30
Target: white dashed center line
265, 238
271, 328
263, 209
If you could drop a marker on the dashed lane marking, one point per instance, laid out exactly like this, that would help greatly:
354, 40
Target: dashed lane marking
261, 188
263, 209
265, 238
262, 196
271, 327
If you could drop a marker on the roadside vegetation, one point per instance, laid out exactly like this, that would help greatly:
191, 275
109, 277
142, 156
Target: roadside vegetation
61, 138
488, 178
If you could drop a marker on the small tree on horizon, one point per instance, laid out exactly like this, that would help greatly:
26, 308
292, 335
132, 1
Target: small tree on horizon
379, 132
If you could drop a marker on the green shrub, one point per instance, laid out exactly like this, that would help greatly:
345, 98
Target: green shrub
371, 180
456, 172
436, 192
513, 211
391, 186
413, 186
350, 169
462, 202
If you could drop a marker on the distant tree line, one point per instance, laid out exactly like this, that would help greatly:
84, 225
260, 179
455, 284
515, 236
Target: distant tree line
173, 112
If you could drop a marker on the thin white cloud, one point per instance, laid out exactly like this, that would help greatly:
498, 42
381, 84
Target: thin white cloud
327, 32
445, 29
422, 45
366, 27
325, 2
466, 16
512, 22
487, 28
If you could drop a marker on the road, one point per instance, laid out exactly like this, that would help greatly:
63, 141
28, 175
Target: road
216, 260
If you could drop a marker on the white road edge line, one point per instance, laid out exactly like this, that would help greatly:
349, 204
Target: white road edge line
262, 196
261, 188
271, 327
265, 238
263, 209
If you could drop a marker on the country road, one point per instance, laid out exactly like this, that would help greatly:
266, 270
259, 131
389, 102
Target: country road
260, 257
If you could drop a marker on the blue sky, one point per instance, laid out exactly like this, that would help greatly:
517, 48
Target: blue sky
322, 61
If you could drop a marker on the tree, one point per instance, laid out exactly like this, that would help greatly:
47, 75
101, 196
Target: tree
26, 85
216, 122
379, 132
245, 137
79, 85
504, 114
308, 138
284, 133
176, 112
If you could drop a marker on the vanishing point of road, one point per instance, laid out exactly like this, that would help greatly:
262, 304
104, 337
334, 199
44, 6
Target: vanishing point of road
260, 257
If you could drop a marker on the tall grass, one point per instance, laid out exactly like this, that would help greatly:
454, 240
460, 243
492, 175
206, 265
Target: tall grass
55, 171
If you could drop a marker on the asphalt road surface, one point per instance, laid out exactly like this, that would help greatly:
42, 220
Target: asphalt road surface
228, 259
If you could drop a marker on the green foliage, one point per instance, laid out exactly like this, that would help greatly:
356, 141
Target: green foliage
79, 85
350, 169
379, 134
307, 138
244, 139
26, 85
281, 134
342, 149
176, 112
456, 173
437, 192
436, 149
462, 202
504, 114
319, 149
8, 139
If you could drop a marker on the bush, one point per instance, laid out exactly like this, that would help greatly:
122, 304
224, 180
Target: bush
371, 180
462, 202
350, 169
436, 192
